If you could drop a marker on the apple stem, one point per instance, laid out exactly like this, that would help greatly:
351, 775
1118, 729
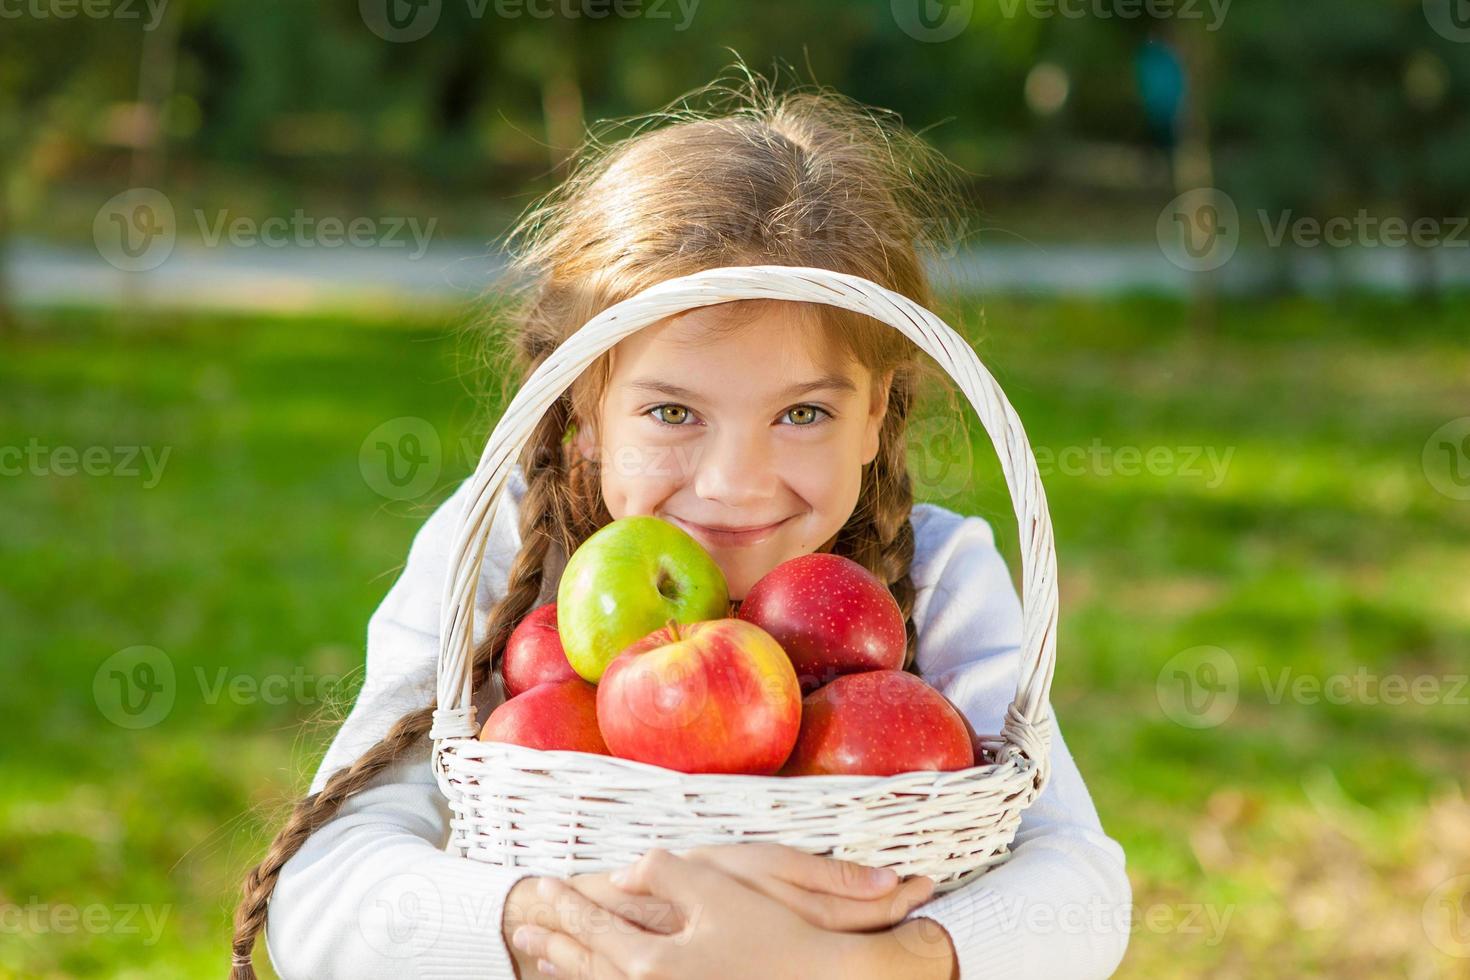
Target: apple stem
673, 627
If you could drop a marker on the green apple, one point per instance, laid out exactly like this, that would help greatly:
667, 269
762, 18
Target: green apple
627, 580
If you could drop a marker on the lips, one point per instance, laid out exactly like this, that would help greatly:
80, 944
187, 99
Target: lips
723, 538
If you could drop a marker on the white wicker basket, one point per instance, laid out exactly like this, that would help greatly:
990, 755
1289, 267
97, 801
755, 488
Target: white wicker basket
562, 813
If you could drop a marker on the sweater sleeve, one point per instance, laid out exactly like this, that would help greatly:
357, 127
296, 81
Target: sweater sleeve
1060, 906
372, 892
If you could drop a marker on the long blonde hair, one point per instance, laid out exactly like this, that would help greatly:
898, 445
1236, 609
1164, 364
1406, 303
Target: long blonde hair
733, 174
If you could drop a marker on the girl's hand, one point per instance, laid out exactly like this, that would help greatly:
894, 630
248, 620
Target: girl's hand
842, 896
525, 904
727, 929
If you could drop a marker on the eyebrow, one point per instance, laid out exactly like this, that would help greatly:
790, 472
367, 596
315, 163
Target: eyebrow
827, 382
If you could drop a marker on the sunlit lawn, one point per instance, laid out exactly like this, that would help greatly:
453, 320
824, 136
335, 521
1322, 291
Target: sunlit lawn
1287, 521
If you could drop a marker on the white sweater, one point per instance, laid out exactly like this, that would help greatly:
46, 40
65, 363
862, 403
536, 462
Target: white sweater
373, 893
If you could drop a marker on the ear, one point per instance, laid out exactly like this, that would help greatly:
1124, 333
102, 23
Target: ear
585, 439
877, 412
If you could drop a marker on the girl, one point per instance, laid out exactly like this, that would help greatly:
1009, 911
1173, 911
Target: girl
767, 430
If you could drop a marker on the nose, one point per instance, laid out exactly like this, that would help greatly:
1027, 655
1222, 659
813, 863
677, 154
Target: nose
737, 468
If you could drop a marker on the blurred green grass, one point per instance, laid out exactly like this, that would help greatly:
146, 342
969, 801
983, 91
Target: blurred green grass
1312, 832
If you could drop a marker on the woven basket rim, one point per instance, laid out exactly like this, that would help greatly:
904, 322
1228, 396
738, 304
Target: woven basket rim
534, 757
1026, 728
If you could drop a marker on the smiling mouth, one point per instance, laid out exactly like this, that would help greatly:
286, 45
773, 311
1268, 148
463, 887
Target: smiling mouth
729, 536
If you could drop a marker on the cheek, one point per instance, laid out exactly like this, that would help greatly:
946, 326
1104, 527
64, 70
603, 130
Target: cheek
637, 473
827, 476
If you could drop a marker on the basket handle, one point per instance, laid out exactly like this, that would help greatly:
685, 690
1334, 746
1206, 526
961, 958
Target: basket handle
1025, 731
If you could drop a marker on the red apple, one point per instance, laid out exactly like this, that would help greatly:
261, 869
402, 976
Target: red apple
831, 615
976, 746
879, 723
717, 696
533, 654
555, 715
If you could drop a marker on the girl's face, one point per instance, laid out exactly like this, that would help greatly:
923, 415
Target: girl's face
754, 442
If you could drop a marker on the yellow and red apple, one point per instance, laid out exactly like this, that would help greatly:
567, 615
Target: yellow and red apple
715, 696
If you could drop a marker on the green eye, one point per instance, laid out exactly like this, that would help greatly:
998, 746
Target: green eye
805, 414
672, 414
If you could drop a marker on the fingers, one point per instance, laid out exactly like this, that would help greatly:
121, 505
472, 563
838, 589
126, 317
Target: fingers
919, 889
559, 955
688, 884
809, 871
812, 886
835, 876
838, 913
841, 914
648, 912
565, 911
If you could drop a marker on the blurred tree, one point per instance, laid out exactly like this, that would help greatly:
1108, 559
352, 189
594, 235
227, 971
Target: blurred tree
57, 81
1317, 107
1340, 107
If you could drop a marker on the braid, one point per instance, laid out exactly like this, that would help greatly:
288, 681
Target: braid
309, 814
880, 537
555, 509
538, 521
546, 510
